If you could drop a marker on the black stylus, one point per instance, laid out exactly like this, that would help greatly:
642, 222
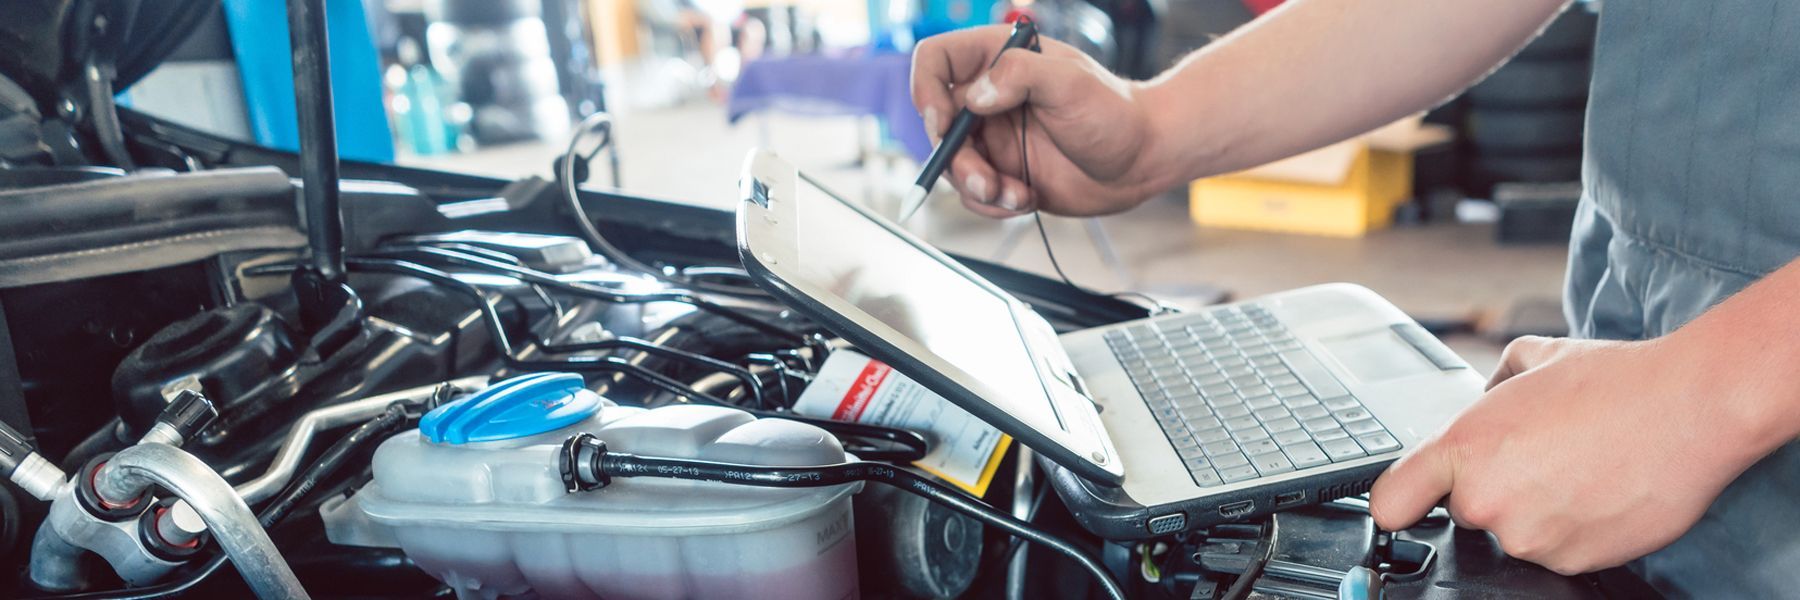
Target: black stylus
1024, 35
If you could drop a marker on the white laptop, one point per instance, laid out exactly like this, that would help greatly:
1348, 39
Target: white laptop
1154, 426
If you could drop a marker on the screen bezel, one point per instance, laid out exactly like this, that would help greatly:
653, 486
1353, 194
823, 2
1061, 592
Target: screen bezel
767, 234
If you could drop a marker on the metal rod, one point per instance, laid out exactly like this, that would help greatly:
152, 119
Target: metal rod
287, 460
318, 137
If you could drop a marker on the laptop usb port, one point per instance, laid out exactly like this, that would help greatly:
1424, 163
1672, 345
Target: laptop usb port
1289, 499
1237, 509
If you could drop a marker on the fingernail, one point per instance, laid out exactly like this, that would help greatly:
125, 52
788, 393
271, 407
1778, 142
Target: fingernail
977, 186
983, 92
931, 125
1010, 201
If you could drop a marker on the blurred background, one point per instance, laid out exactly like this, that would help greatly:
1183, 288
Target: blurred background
1460, 215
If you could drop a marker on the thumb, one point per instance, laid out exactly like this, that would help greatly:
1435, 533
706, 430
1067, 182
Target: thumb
1412, 486
1018, 75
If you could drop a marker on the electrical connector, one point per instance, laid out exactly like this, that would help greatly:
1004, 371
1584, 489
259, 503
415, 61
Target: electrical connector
187, 414
580, 463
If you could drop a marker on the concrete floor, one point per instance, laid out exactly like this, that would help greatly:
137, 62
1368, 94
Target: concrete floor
1440, 271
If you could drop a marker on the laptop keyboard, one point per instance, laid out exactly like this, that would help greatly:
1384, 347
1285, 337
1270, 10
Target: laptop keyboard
1240, 398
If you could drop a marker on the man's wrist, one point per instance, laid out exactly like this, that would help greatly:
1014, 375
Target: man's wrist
1178, 146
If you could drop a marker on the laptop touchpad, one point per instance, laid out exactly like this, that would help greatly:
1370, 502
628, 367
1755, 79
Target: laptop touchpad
1378, 355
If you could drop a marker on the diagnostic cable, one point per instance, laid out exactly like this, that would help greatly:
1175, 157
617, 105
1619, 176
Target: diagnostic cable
586, 464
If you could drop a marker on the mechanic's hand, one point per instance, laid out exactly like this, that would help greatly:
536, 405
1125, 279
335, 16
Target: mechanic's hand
1582, 455
1086, 132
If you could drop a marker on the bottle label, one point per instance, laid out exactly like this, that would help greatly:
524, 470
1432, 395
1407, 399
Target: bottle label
965, 450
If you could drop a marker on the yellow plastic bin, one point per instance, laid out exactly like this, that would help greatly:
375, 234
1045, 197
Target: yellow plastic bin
1343, 190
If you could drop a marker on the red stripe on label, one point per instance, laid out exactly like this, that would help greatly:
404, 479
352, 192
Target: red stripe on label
861, 390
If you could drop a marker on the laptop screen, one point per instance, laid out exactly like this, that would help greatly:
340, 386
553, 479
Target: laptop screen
894, 282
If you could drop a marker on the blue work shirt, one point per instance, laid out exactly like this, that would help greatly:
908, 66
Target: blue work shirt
1692, 192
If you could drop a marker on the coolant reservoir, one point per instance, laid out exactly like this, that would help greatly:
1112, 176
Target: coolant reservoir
474, 497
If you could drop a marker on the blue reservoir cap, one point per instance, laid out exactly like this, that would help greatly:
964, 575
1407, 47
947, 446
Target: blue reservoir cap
518, 407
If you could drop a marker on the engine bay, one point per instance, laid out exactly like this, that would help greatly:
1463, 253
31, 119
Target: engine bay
231, 371
174, 309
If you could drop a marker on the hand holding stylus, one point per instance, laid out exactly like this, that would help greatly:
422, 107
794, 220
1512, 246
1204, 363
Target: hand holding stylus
1086, 133
1024, 35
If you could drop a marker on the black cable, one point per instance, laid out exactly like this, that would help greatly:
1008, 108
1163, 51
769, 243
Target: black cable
587, 465
916, 445
328, 463
1037, 501
589, 291
334, 458
567, 177
751, 383
1265, 550
503, 346
597, 123
1021, 121
782, 373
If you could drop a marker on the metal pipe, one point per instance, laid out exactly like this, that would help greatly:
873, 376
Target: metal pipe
1024, 487
56, 564
39, 477
233, 526
311, 54
287, 460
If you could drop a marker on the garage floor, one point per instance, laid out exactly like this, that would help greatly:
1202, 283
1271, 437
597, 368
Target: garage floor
1440, 271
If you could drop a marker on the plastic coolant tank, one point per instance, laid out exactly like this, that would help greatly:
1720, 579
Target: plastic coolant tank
477, 501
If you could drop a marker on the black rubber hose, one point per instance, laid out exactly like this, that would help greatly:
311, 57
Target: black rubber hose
10, 523
617, 464
104, 439
329, 463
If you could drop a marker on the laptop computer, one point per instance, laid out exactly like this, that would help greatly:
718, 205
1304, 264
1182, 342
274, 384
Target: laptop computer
1150, 427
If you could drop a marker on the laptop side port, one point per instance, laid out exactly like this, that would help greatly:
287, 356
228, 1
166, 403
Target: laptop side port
1169, 523
1290, 499
1237, 509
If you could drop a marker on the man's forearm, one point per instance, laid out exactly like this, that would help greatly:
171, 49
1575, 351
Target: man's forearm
1315, 72
1744, 355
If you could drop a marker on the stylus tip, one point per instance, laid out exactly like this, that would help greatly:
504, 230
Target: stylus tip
915, 198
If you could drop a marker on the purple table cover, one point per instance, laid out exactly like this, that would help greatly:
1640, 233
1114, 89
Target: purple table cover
876, 84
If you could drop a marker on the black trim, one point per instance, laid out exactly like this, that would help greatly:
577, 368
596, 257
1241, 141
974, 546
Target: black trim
1109, 513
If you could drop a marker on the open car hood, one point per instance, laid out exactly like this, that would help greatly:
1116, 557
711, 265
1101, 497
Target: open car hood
46, 44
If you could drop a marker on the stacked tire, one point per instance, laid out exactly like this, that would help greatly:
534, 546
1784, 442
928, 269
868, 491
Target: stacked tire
497, 55
1524, 122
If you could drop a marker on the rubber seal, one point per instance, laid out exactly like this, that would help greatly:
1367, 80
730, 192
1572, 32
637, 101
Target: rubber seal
89, 499
160, 547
